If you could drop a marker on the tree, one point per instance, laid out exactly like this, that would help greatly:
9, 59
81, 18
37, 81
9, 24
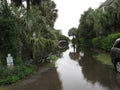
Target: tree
113, 15
49, 10
36, 2
46, 7
94, 23
38, 36
28, 33
73, 32
9, 35
16, 2
86, 27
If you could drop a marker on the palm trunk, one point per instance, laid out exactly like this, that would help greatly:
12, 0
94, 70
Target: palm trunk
36, 2
16, 2
28, 5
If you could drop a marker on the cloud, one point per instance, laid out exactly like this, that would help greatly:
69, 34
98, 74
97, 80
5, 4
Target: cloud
70, 12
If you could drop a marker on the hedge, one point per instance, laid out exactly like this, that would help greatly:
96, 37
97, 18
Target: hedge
105, 43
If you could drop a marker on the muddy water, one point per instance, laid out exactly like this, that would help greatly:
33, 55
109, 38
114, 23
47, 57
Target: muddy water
80, 71
74, 71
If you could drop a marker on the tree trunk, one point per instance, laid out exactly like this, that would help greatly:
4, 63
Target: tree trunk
28, 4
16, 2
35, 2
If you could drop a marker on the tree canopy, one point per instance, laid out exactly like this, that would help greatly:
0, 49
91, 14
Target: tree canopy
94, 23
27, 34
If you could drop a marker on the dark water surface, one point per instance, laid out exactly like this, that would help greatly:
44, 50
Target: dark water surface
74, 71
82, 72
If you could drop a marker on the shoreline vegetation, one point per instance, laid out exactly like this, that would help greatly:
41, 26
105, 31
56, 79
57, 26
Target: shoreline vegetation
12, 75
98, 29
28, 34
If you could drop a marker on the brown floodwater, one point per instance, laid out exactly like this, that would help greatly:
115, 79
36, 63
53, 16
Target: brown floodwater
73, 71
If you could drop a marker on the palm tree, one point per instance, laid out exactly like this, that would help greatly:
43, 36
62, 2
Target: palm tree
73, 32
36, 32
49, 10
113, 15
36, 2
17, 2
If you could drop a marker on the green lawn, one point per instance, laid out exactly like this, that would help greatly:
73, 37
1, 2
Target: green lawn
104, 58
1, 88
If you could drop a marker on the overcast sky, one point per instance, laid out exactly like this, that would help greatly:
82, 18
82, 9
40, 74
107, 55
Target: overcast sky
69, 12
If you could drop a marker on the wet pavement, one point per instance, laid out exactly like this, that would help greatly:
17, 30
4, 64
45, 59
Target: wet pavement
74, 71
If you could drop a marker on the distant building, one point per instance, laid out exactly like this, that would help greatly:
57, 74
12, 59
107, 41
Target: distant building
105, 4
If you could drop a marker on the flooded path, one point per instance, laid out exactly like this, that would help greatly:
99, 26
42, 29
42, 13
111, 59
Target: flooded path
74, 71
82, 72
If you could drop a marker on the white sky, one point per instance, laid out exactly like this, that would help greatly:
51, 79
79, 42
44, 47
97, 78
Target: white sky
69, 12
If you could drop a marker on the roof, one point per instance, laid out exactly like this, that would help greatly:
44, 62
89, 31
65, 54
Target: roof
106, 3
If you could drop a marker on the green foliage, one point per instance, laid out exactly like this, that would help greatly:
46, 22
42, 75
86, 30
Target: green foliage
97, 42
9, 76
26, 34
53, 57
46, 7
49, 11
63, 37
95, 25
17, 28
85, 29
45, 37
109, 41
8, 34
105, 43
72, 32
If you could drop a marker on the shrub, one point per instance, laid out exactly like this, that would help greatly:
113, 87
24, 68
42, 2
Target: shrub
8, 76
105, 43
97, 42
109, 41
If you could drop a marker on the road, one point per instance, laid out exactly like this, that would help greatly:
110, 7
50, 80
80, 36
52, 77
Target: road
73, 71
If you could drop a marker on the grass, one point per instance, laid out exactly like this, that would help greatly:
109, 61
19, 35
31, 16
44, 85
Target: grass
104, 58
53, 58
2, 88
9, 76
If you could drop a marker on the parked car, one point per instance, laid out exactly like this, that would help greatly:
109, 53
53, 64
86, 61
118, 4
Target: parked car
115, 55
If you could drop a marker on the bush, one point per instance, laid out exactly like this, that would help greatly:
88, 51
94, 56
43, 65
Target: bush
105, 43
109, 41
97, 42
8, 76
81, 42
84, 43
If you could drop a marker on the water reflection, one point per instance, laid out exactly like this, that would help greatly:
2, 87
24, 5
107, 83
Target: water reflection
74, 71
95, 72
80, 71
67, 68
74, 55
60, 51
